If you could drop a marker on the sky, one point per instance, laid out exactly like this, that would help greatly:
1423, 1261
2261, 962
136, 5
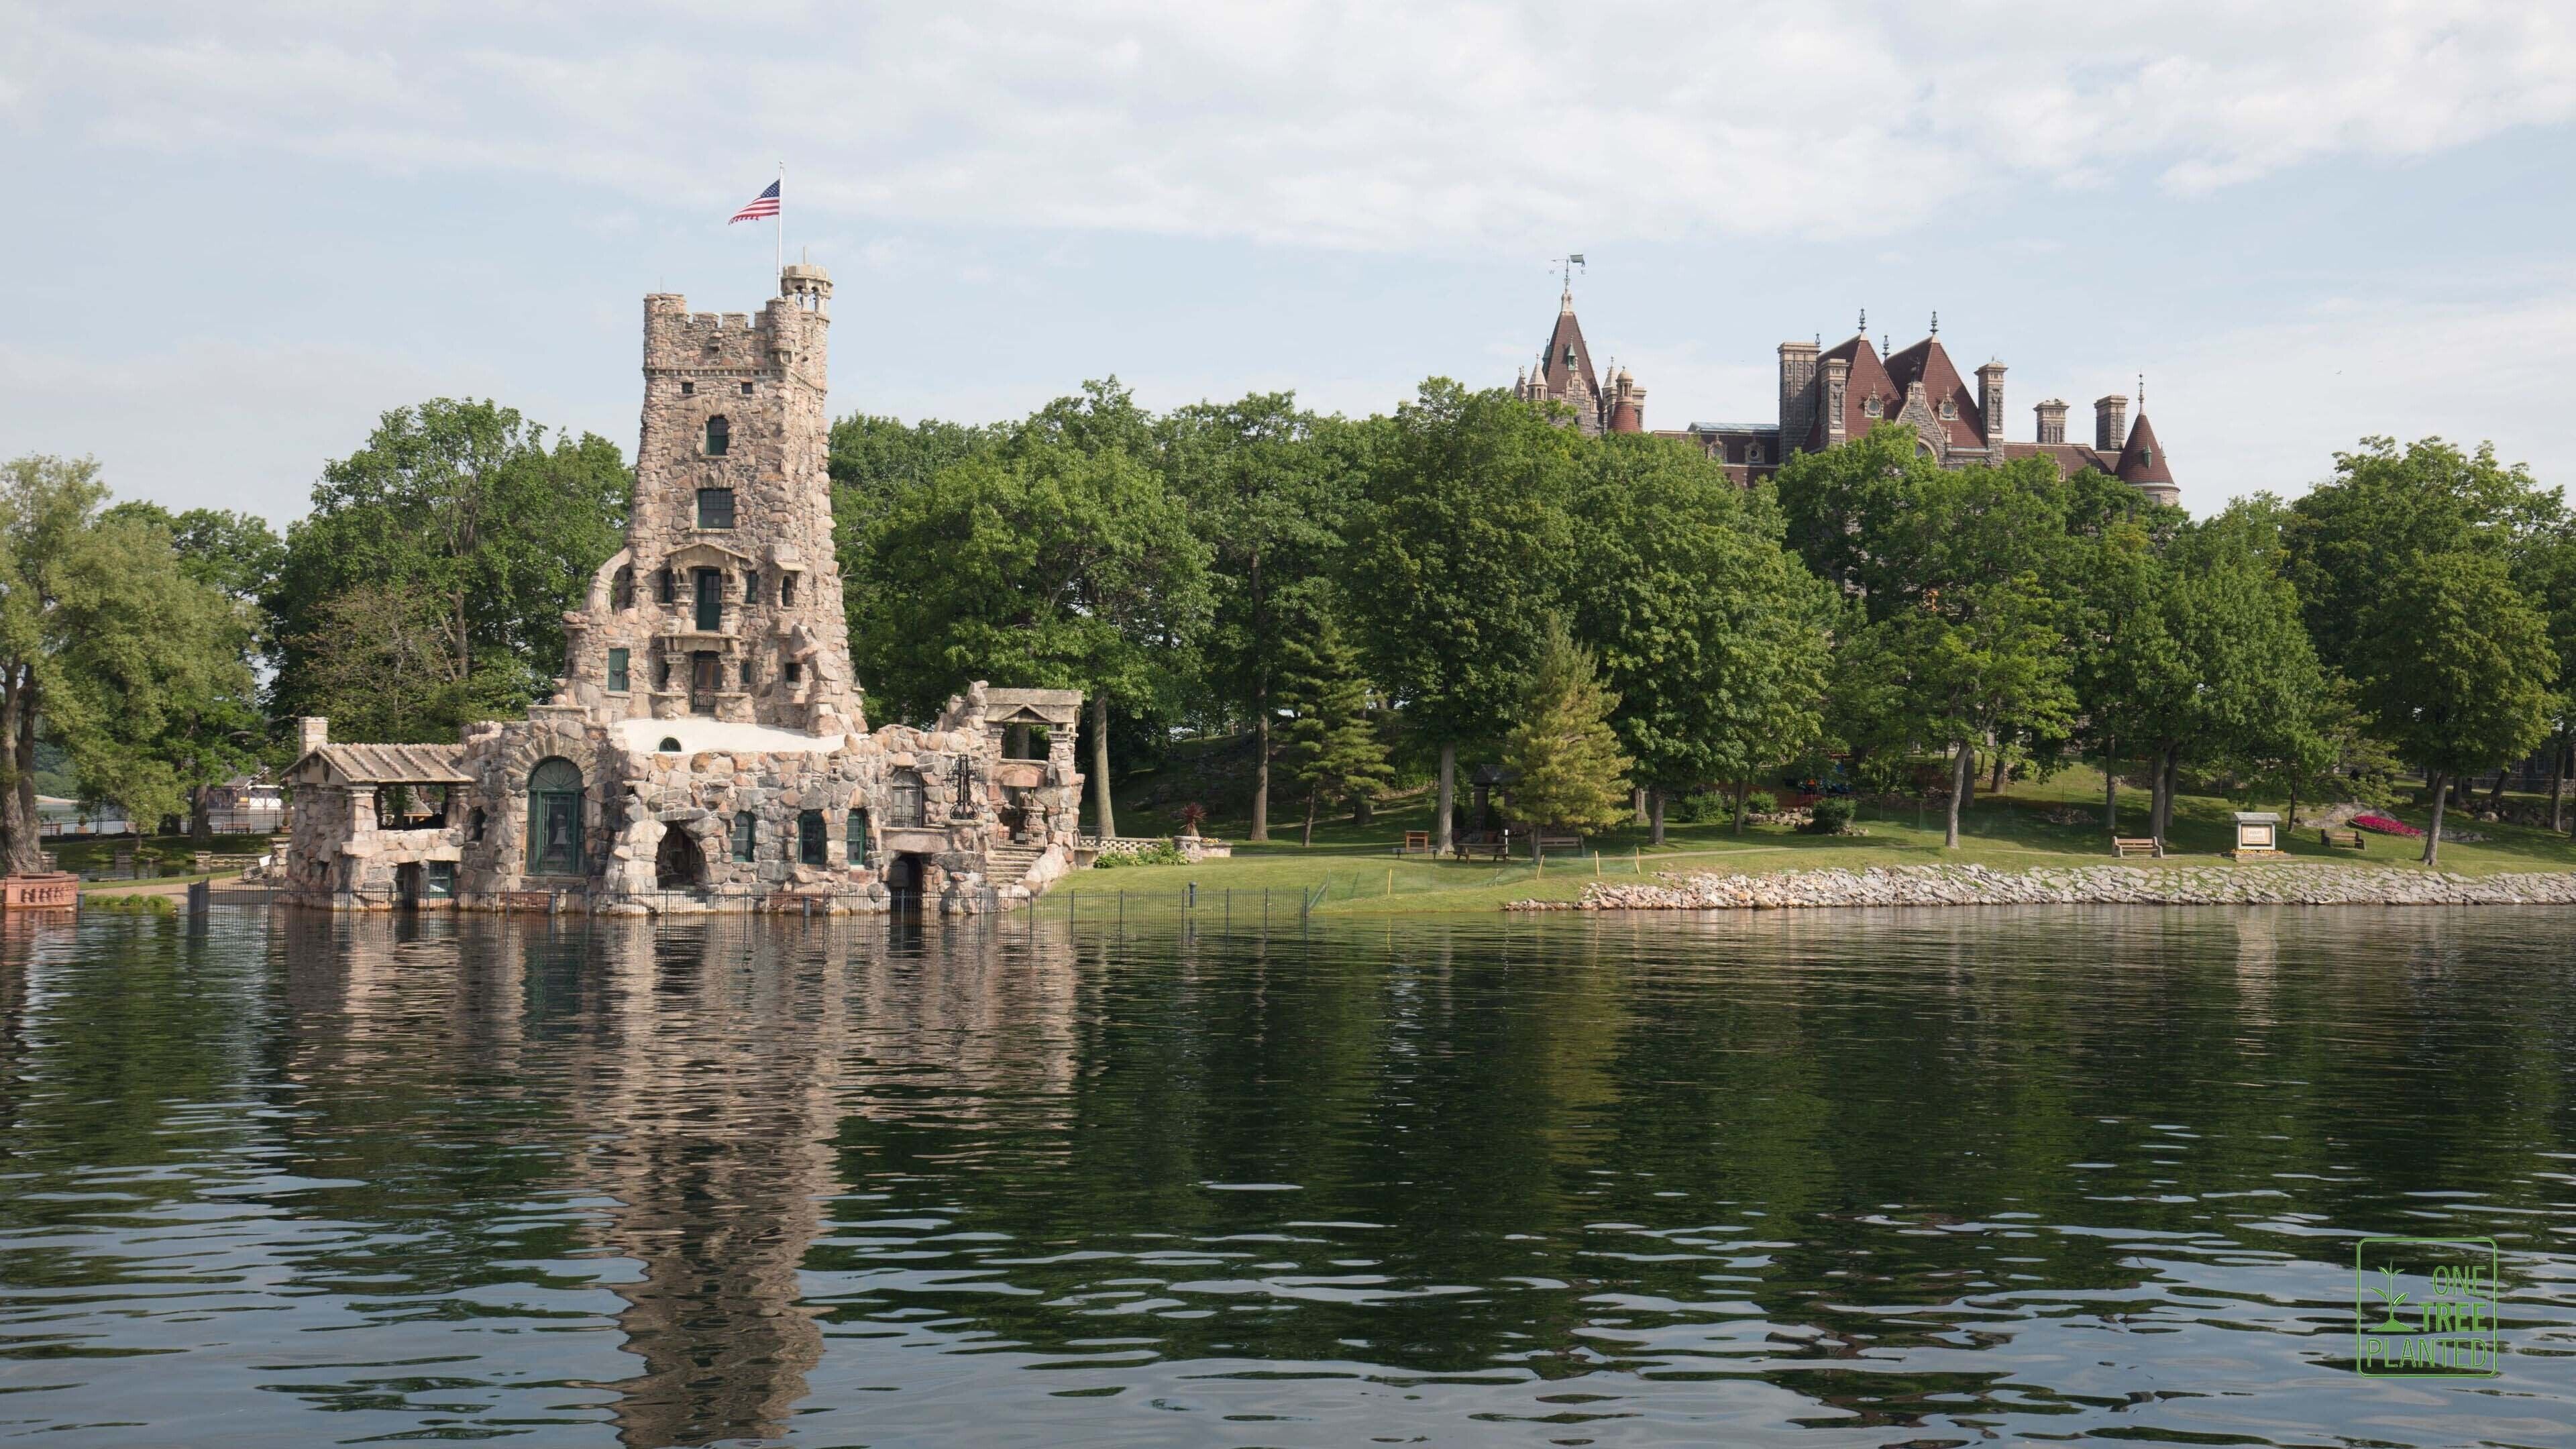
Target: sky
240, 232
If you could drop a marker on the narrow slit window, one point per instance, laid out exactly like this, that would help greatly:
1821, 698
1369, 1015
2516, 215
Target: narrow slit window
795, 671
746, 835
854, 846
751, 586
666, 586
617, 660
786, 589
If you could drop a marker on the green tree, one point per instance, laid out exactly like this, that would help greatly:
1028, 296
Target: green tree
466, 503
2457, 667
1040, 566
1331, 750
109, 649
874, 459
2387, 506
2546, 573
2203, 659
1570, 772
226, 733
381, 662
1983, 660
1458, 553
1269, 489
1714, 637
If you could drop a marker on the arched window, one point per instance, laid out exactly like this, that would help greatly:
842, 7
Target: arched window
621, 588
670, 745
907, 803
786, 590
554, 818
746, 835
719, 437
812, 840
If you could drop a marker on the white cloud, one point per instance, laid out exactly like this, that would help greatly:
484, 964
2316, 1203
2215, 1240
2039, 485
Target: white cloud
1384, 126
2266, 407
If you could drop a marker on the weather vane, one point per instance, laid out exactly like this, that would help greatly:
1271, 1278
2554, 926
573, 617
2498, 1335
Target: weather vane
1569, 262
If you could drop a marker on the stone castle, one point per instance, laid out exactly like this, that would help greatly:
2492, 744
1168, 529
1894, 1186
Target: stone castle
707, 746
1831, 395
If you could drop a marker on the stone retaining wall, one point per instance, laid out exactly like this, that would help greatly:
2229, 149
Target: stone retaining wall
1976, 885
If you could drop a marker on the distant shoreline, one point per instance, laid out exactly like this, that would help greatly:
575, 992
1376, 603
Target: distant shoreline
1977, 885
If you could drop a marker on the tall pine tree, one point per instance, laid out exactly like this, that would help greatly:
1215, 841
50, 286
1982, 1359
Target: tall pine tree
1331, 750
1572, 775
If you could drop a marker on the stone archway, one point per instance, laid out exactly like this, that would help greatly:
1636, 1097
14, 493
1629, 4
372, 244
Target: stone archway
679, 864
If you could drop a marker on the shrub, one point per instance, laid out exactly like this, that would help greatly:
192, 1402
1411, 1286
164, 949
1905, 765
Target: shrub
1702, 806
1831, 815
1160, 853
1761, 802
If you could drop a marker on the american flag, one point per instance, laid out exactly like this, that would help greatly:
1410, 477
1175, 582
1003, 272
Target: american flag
765, 204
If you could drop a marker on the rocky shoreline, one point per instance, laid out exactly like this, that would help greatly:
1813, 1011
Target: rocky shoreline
1976, 885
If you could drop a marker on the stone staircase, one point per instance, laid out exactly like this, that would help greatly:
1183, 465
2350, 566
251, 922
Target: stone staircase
1008, 864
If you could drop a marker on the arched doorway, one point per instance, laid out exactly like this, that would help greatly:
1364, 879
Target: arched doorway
554, 818
903, 880
679, 864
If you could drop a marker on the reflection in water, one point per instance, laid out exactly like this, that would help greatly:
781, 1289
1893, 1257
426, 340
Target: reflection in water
1928, 1176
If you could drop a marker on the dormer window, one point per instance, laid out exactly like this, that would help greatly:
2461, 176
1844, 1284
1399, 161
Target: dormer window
1869, 407
2147, 456
1949, 409
719, 437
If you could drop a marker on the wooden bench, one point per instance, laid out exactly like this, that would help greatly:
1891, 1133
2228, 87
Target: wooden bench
2128, 845
2346, 839
1547, 843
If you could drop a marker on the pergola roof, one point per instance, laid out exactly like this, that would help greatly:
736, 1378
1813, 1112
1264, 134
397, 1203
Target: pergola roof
384, 765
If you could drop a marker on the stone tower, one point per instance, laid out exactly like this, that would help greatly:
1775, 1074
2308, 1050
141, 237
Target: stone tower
726, 601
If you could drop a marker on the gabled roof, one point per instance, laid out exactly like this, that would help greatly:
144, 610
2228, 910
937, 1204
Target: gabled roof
1567, 341
383, 765
2071, 458
2143, 460
1928, 362
1867, 379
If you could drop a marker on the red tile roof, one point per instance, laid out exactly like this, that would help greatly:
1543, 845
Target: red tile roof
1568, 337
1928, 361
2142, 461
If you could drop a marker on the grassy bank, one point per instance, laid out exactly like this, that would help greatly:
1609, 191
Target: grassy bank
1349, 870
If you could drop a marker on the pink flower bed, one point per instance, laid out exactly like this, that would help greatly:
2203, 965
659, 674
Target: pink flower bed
2382, 825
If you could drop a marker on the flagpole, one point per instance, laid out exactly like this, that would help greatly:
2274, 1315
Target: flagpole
782, 226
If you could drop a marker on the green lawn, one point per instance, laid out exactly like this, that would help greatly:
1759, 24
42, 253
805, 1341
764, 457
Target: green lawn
1354, 871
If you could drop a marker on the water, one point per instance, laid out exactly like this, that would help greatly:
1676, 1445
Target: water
1939, 1177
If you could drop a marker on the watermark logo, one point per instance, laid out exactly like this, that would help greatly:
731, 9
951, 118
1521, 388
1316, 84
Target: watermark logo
2425, 1308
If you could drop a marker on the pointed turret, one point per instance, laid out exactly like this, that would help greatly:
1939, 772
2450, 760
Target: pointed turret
1564, 372
2143, 465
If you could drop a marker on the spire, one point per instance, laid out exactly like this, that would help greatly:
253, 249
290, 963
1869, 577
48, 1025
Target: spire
1863, 329
2142, 397
1936, 321
1565, 301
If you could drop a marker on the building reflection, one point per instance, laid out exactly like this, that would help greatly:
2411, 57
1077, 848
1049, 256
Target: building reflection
687, 1079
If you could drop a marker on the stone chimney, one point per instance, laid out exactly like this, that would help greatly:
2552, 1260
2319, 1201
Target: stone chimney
2110, 423
1837, 378
1797, 393
1990, 405
312, 732
2052, 420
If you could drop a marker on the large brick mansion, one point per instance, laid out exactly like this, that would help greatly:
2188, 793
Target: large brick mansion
1830, 395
